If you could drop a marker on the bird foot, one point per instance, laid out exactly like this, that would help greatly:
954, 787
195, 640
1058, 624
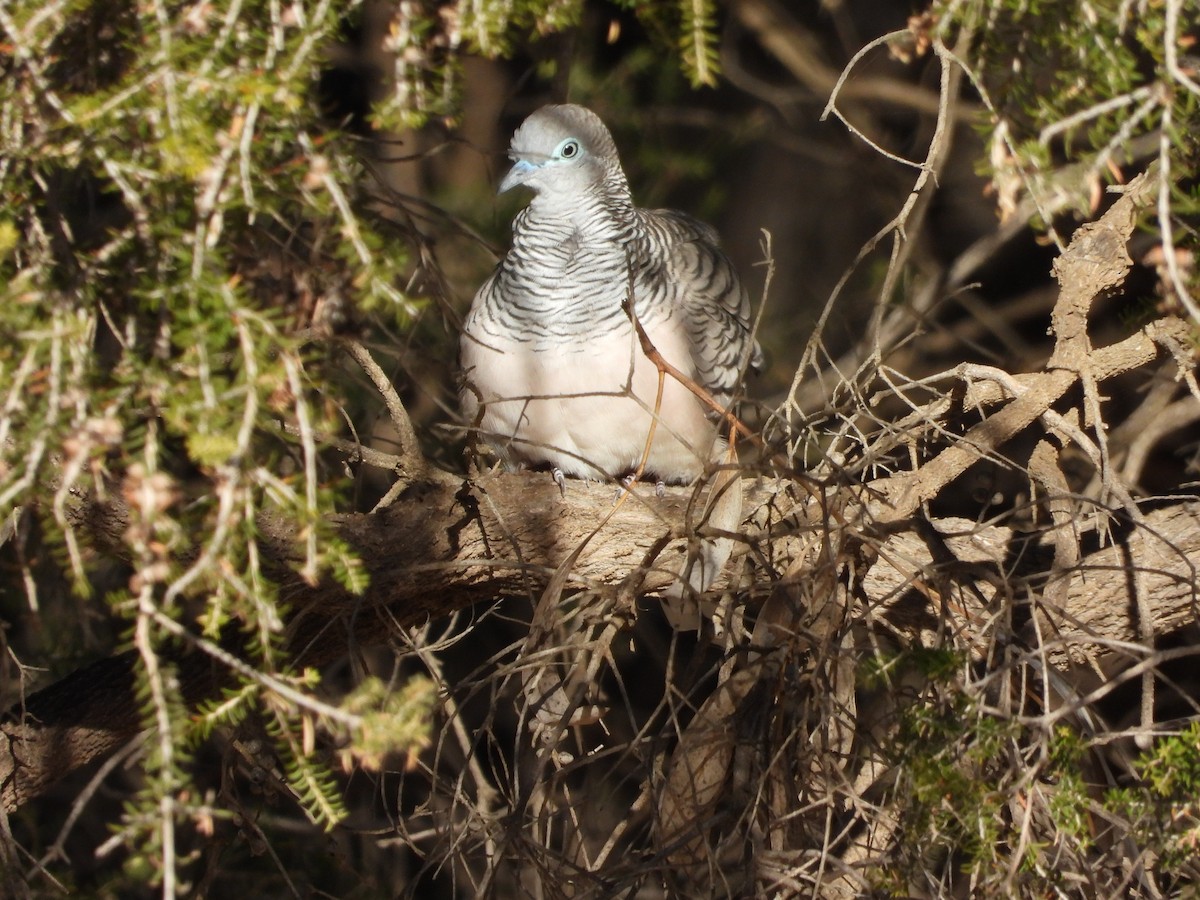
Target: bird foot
560, 479
626, 482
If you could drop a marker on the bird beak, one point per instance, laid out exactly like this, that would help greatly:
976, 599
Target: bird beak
520, 171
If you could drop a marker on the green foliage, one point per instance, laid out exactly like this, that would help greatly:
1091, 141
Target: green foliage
1164, 808
230, 710
345, 567
427, 45
949, 758
158, 173
396, 722
310, 780
1078, 96
934, 663
1001, 800
1069, 805
699, 43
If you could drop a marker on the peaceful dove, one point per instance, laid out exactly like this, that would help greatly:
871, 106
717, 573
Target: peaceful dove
554, 372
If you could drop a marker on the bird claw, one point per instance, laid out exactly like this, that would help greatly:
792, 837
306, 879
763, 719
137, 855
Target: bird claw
560, 479
626, 482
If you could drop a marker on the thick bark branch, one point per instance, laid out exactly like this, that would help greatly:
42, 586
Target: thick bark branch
1097, 610
443, 545
446, 544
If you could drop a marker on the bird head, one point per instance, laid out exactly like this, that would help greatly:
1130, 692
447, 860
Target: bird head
562, 151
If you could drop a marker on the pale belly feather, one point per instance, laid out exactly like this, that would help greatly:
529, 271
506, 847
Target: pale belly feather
587, 408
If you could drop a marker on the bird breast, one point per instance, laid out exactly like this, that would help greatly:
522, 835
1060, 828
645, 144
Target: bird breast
585, 401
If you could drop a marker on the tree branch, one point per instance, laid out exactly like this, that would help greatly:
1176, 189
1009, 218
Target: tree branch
447, 543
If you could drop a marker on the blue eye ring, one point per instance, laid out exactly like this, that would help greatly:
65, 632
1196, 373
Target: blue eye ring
568, 149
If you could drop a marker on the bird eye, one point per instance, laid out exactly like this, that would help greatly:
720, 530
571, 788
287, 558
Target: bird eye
570, 149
